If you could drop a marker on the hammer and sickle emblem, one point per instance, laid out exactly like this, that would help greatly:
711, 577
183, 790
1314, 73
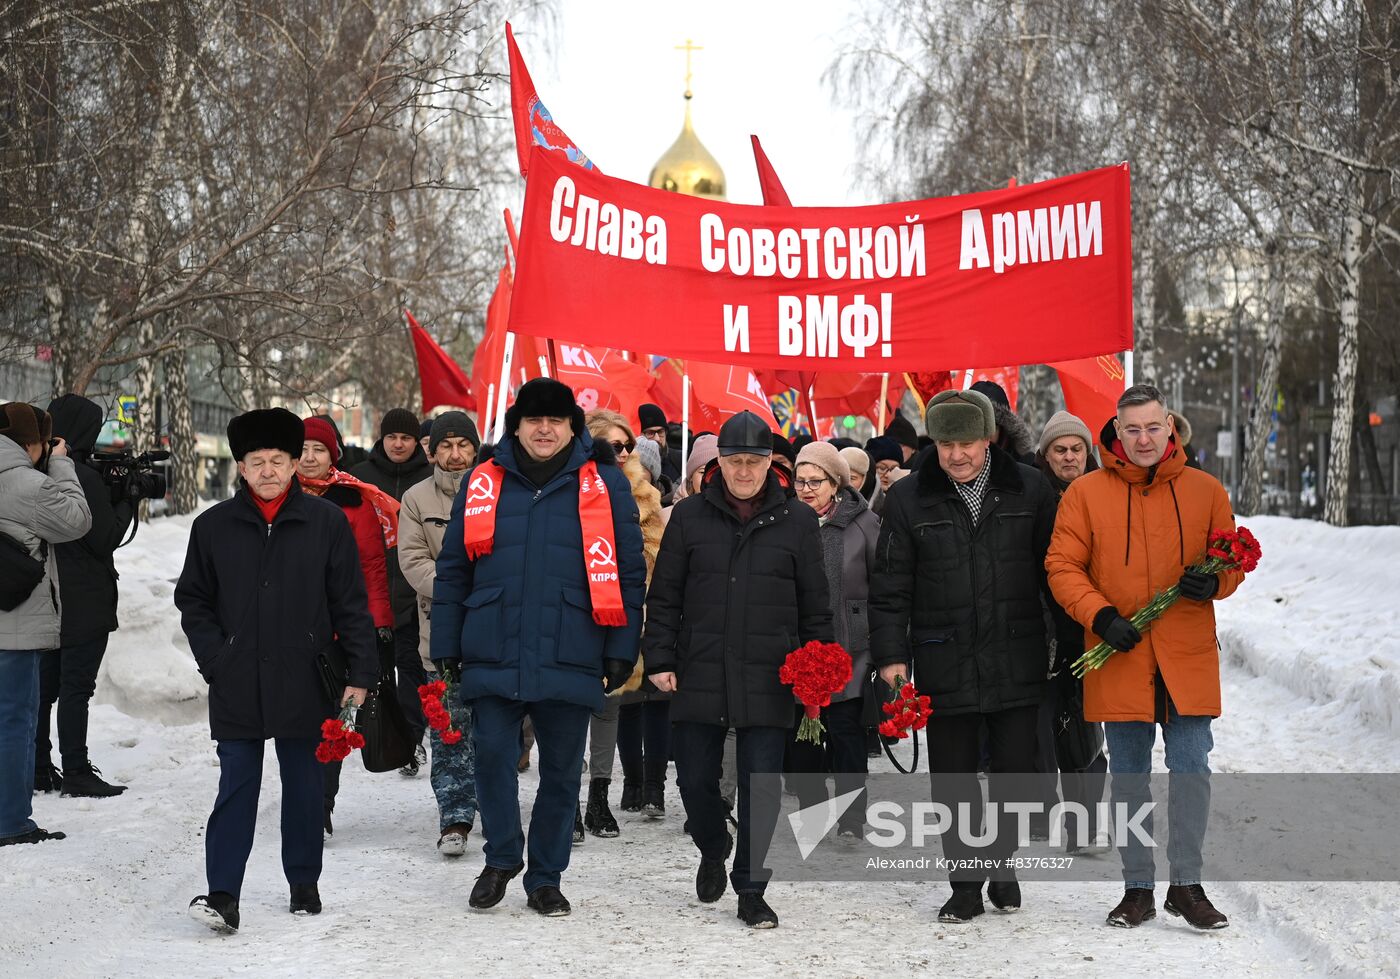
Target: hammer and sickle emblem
483, 487
600, 554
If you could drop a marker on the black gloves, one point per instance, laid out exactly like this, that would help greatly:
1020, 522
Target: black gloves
1197, 586
1115, 630
449, 669
616, 672
385, 635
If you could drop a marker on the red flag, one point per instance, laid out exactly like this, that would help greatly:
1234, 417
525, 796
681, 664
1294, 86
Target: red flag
601, 378
442, 380
1091, 387
486, 362
768, 182
722, 391
925, 384
845, 393
1009, 378
534, 126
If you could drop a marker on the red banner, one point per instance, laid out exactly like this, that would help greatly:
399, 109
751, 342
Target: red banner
602, 379
1027, 275
534, 126
486, 362
1091, 388
442, 381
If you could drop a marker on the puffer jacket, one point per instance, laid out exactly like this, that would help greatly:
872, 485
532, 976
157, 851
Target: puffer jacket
427, 507
1122, 535
849, 536
38, 510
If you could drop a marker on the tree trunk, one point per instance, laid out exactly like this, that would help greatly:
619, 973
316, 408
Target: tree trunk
184, 444
1266, 385
55, 308
1344, 385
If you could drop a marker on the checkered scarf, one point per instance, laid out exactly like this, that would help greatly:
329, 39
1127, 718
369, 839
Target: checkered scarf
973, 491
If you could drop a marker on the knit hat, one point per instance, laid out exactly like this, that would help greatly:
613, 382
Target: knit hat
266, 428
452, 424
856, 459
828, 459
649, 454
399, 421
25, 423
782, 447
651, 416
544, 397
882, 447
960, 416
319, 429
1062, 423
902, 431
994, 392
425, 428
703, 451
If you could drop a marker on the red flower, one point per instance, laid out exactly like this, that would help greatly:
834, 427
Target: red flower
451, 737
815, 672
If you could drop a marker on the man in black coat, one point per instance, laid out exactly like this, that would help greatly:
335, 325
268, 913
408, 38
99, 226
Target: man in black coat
653, 421
959, 576
271, 579
397, 462
87, 584
738, 584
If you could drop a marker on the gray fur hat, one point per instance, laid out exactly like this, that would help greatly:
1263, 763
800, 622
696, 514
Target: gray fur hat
960, 416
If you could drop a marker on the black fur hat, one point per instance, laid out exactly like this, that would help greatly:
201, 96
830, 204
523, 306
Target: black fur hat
544, 397
265, 428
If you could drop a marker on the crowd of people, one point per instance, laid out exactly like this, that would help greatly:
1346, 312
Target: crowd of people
590, 594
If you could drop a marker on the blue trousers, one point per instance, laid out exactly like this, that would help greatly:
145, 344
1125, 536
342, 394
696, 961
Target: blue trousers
228, 837
19, 713
561, 730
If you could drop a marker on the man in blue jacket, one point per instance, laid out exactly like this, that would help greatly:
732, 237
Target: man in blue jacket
537, 607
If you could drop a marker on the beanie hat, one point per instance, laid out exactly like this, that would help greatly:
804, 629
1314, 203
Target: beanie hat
266, 428
544, 397
649, 454
319, 429
399, 421
856, 459
703, 451
1062, 423
994, 392
651, 416
25, 423
883, 447
960, 416
425, 429
828, 459
452, 424
902, 431
782, 447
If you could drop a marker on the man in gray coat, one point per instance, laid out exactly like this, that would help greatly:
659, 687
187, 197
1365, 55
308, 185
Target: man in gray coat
41, 504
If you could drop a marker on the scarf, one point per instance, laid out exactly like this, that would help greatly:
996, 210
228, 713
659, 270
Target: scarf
386, 508
269, 508
594, 514
973, 491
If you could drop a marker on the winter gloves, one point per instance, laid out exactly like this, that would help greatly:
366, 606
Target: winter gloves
1198, 586
616, 672
449, 669
1115, 630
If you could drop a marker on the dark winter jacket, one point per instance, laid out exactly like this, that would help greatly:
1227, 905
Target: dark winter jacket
87, 575
848, 538
520, 619
966, 599
395, 478
258, 603
729, 601
1013, 435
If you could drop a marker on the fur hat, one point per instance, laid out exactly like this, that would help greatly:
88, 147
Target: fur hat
25, 424
828, 459
960, 416
399, 421
1062, 423
649, 454
452, 424
319, 429
856, 459
544, 397
266, 428
902, 431
651, 416
882, 447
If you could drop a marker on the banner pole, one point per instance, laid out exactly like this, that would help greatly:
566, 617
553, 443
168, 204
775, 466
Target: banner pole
484, 420
967, 378
499, 418
1127, 369
884, 398
811, 412
685, 422
546, 365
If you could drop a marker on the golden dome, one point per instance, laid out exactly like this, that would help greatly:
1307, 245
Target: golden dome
687, 167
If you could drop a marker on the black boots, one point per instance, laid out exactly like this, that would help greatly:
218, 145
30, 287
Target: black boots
85, 781
631, 796
962, 907
1005, 895
710, 879
35, 835
599, 820
1189, 901
548, 901
654, 800
491, 886
218, 911
755, 912
1135, 908
306, 899
47, 778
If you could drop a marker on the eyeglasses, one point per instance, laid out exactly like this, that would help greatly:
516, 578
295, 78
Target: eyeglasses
886, 467
655, 432
1152, 431
621, 447
809, 484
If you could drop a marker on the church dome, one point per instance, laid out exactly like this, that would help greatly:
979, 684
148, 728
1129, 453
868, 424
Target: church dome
687, 167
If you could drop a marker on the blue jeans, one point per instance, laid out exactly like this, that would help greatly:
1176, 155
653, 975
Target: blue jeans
453, 770
561, 729
19, 715
1188, 741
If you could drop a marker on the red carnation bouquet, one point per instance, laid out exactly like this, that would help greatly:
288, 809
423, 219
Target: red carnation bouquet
431, 695
339, 737
909, 711
815, 672
1225, 551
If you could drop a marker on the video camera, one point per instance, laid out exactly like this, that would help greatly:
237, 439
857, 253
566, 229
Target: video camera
133, 477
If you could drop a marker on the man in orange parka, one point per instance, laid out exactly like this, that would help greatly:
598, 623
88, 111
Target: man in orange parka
1122, 535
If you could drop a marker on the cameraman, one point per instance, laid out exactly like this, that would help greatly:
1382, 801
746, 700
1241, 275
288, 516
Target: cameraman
88, 595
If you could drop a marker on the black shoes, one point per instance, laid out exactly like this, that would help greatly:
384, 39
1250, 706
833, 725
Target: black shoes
491, 886
1189, 901
218, 911
631, 797
755, 912
35, 835
420, 758
1135, 908
47, 778
654, 801
578, 825
547, 900
306, 899
1005, 895
962, 907
85, 781
712, 876
599, 820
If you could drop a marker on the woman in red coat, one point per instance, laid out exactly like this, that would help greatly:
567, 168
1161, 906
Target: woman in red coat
373, 517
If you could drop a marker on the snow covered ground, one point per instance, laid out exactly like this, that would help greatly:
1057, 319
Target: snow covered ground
1312, 684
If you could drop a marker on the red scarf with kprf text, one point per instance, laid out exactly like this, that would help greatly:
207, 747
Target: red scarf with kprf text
595, 517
